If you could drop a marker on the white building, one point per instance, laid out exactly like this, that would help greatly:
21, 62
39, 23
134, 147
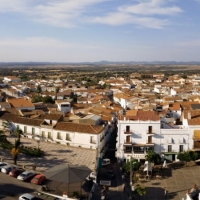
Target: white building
137, 134
146, 131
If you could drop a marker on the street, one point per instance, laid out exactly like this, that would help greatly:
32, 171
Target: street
11, 188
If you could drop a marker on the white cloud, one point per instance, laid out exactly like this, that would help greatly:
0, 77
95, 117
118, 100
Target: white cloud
134, 14
152, 7
121, 18
46, 49
69, 13
189, 44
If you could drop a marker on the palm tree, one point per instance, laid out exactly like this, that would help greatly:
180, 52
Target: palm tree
18, 132
15, 150
3, 137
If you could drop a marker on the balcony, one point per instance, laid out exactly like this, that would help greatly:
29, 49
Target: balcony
150, 141
128, 131
150, 132
196, 139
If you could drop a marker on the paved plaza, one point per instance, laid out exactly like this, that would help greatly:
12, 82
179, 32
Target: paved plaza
55, 154
175, 180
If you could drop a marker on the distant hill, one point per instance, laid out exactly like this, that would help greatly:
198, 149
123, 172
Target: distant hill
103, 62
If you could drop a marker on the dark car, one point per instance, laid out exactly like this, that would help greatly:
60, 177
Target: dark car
16, 172
110, 174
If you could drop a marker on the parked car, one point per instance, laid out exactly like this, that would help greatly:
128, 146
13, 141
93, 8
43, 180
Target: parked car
105, 162
2, 164
7, 168
28, 196
110, 174
25, 176
91, 176
16, 172
38, 179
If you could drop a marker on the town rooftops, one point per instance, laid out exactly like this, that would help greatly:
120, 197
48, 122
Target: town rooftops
142, 115
20, 103
21, 120
80, 128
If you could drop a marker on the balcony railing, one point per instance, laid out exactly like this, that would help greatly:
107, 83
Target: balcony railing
196, 138
150, 131
128, 131
127, 142
150, 142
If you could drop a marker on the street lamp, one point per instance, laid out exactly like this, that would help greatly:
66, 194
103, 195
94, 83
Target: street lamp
131, 167
38, 141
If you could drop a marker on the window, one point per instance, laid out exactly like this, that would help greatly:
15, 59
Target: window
169, 148
49, 135
150, 140
127, 128
150, 129
17, 126
68, 136
92, 139
128, 139
43, 134
181, 148
25, 129
128, 149
33, 131
59, 136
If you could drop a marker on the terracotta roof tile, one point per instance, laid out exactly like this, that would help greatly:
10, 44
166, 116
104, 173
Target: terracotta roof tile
81, 128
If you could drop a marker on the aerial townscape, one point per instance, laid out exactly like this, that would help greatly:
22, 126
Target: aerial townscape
118, 133
99, 100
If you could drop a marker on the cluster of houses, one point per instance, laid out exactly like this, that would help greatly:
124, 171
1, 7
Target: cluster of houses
151, 111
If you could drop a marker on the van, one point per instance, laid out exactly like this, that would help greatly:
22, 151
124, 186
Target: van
105, 162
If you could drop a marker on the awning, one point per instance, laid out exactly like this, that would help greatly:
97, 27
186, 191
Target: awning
143, 145
170, 153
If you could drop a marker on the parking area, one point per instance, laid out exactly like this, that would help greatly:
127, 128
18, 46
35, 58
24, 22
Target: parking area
55, 154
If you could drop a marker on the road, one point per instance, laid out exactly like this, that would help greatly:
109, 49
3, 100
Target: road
11, 188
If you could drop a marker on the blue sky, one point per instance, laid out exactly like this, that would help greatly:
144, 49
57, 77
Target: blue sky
95, 30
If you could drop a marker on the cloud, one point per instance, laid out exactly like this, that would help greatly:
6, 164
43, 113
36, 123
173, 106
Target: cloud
70, 13
153, 7
46, 49
64, 13
189, 44
121, 18
143, 13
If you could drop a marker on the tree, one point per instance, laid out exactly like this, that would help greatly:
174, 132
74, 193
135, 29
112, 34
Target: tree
48, 99
140, 190
133, 163
3, 137
39, 90
15, 150
18, 132
188, 156
153, 157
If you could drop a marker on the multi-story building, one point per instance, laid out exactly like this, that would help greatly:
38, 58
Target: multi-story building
138, 134
145, 130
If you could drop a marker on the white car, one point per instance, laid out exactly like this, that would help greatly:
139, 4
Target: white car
27, 196
7, 168
26, 176
92, 176
105, 162
2, 164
